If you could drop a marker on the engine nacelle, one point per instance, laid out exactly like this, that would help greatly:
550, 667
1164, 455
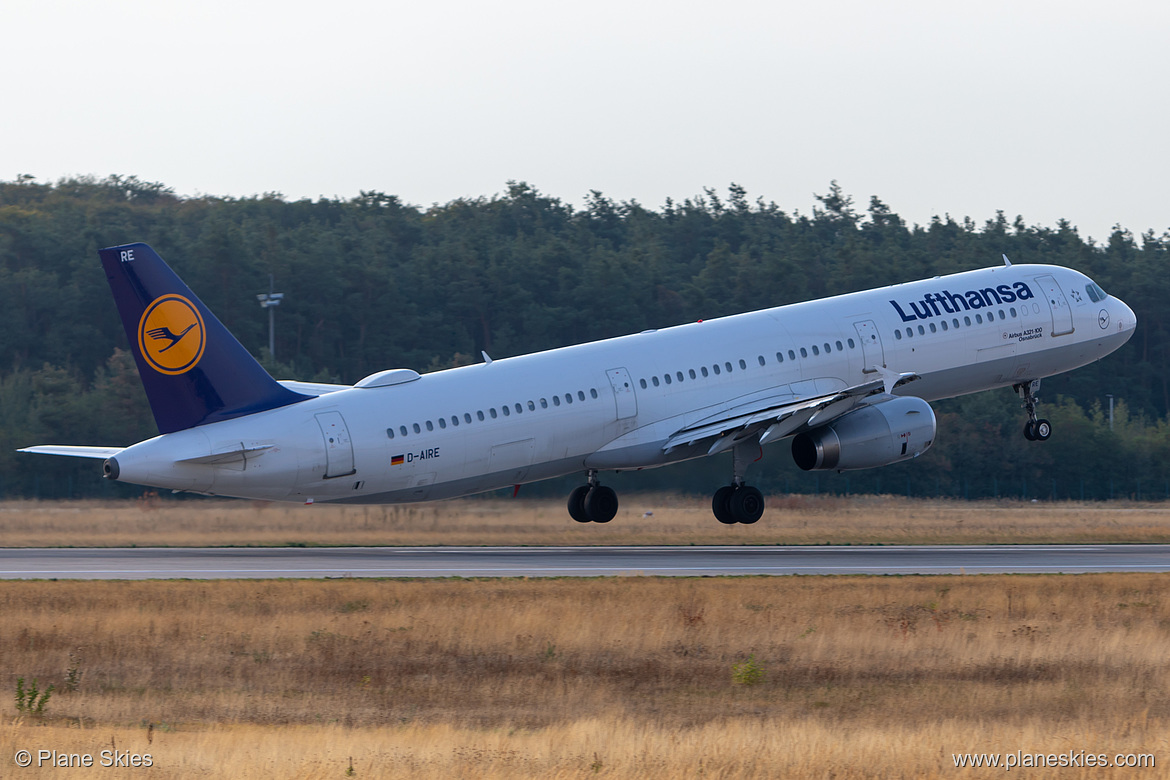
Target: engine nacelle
874, 435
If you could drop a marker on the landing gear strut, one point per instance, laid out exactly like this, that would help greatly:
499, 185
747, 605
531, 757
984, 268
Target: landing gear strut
1034, 429
593, 502
738, 502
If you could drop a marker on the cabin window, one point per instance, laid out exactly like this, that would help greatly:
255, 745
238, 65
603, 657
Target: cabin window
851, 344
803, 352
955, 322
742, 364
557, 398
1002, 316
641, 381
828, 349
654, 380
839, 347
519, 409
815, 350
898, 335
761, 359
568, 398
691, 372
593, 390
704, 370
933, 328
402, 429
543, 403
728, 367
1013, 311
979, 318
390, 432
909, 333
580, 395
531, 406
416, 428
493, 413
791, 355
442, 423
430, 426
467, 417
678, 375
966, 321
479, 415
921, 331
779, 357
944, 324
507, 412
455, 420
667, 378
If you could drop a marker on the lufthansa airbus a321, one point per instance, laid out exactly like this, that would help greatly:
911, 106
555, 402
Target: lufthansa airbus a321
846, 379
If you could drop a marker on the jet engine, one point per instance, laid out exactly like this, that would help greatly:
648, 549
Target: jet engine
874, 435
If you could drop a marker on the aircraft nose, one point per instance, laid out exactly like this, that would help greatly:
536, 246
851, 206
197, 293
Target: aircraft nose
1127, 320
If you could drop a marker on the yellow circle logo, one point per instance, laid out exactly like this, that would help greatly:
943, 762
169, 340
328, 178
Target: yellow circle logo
171, 335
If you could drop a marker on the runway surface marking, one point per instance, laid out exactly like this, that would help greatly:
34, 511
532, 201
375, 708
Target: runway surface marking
261, 562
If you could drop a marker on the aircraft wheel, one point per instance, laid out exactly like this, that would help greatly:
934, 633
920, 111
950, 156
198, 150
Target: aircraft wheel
577, 504
1029, 431
601, 504
1042, 430
747, 505
721, 505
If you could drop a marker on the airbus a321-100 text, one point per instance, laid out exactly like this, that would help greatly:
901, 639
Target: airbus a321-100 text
847, 379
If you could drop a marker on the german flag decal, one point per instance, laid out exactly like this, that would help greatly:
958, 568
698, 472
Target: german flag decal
396, 460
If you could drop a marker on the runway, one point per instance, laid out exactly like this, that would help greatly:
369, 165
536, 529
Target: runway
321, 562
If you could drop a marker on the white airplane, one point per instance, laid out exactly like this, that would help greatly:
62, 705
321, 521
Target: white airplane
846, 378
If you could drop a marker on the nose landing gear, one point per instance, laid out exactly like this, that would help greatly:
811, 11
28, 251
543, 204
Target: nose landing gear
1034, 429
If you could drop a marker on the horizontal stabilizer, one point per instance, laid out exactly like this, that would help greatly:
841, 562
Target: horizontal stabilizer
231, 456
74, 451
311, 388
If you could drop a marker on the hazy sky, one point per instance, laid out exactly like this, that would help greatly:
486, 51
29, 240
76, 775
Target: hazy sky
1045, 109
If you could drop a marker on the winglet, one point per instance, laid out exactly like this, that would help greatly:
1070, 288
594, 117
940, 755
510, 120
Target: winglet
194, 371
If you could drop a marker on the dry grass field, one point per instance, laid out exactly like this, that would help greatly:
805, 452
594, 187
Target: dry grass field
496, 521
804, 677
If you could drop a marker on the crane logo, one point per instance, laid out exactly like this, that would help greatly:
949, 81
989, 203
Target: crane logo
171, 335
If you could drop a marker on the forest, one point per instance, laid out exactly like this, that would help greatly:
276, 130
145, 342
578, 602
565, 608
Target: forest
373, 282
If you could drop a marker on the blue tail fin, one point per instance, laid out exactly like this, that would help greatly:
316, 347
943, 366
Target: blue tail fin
193, 369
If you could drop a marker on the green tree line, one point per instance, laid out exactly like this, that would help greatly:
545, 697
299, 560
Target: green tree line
372, 282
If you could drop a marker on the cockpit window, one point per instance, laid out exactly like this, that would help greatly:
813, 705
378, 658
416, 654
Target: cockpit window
1092, 291
1100, 292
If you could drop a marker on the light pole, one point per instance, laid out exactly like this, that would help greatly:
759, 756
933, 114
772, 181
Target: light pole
270, 300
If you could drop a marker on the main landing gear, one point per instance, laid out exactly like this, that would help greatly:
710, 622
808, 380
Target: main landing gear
1034, 429
593, 503
738, 502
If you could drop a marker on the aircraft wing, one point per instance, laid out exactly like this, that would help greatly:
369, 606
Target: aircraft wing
779, 416
74, 451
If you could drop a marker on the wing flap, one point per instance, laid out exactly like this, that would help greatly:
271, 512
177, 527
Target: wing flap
781, 415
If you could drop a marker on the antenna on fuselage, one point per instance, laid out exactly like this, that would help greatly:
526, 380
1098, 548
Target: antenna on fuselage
1007, 262
487, 359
